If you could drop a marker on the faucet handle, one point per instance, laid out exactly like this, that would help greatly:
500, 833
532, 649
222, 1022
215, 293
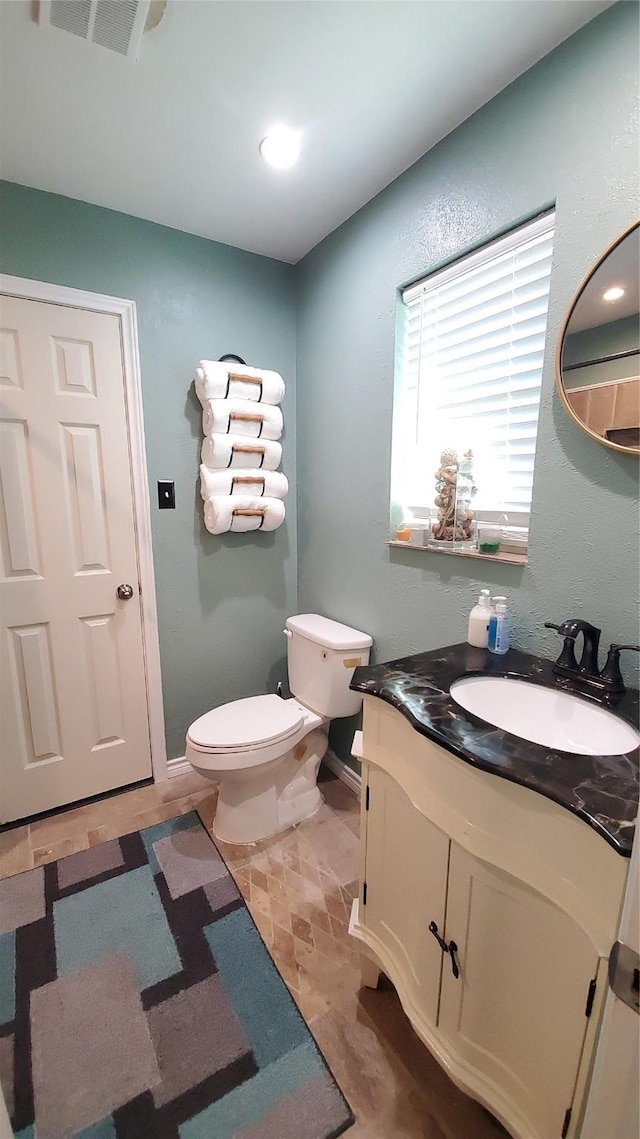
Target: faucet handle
611, 673
550, 625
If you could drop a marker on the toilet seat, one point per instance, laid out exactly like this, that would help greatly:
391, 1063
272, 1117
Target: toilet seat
247, 725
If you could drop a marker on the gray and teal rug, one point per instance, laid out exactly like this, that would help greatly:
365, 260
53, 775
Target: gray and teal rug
138, 1001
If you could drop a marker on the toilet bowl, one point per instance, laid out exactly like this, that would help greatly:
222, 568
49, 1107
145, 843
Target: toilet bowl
264, 752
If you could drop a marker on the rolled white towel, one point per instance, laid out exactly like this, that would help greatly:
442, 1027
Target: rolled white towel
242, 417
228, 512
221, 380
240, 480
221, 451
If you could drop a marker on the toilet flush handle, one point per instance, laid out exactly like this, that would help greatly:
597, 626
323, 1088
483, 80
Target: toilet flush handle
287, 633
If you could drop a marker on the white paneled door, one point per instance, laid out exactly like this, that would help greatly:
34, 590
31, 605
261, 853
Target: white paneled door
73, 701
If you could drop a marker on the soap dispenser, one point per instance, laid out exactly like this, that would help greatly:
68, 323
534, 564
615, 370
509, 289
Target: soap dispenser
499, 628
478, 631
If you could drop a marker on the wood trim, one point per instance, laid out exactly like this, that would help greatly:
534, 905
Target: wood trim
126, 311
178, 766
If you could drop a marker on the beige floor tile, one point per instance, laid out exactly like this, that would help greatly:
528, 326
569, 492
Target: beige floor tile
181, 785
153, 815
311, 1003
15, 851
104, 812
98, 835
406, 1119
371, 1077
207, 808
265, 926
456, 1114
76, 820
49, 852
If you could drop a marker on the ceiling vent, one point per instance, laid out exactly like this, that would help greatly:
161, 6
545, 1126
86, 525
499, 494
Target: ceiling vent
117, 25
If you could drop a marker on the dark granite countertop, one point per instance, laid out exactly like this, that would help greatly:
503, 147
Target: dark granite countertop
602, 790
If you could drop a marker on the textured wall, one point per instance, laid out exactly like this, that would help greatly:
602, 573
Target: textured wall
567, 132
221, 600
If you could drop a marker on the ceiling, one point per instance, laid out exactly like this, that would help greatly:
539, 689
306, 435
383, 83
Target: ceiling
620, 268
371, 84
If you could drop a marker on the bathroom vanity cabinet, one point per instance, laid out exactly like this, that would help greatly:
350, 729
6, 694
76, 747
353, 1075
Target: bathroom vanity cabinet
492, 909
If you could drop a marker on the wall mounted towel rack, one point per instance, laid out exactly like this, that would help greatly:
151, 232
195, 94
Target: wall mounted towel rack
246, 513
242, 423
247, 479
245, 417
246, 449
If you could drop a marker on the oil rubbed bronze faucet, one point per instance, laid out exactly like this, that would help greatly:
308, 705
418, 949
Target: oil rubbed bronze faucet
608, 682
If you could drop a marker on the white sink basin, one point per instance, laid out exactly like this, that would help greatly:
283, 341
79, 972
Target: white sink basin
557, 720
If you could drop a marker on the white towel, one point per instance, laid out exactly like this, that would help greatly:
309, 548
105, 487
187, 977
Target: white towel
221, 451
212, 382
241, 417
219, 513
272, 484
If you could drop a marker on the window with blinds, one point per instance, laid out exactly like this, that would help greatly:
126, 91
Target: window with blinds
471, 352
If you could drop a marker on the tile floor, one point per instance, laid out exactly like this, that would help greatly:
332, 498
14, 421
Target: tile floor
298, 887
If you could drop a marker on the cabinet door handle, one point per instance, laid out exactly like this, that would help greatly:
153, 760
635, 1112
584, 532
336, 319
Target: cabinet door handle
453, 949
441, 942
450, 948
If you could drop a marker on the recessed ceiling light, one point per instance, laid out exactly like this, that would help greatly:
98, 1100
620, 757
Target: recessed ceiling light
281, 147
613, 294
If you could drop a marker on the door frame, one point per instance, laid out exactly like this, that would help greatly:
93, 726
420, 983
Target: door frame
50, 293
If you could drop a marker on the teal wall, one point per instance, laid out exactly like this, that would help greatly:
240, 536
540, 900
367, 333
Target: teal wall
221, 600
567, 131
594, 343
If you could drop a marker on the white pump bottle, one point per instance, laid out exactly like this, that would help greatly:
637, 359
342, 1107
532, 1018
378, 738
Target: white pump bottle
479, 617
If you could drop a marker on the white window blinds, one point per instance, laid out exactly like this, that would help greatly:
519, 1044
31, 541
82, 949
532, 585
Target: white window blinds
471, 359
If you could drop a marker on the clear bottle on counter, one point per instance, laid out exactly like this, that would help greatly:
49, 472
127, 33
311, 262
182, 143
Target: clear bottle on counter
499, 629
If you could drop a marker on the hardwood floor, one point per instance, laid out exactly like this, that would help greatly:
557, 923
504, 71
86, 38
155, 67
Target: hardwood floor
298, 887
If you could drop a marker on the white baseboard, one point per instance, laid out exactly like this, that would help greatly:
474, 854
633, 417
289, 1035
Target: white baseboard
343, 771
178, 766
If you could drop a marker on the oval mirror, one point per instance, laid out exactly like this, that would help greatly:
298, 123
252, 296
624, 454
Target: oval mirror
598, 358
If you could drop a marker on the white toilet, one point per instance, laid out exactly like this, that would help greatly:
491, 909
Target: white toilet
264, 752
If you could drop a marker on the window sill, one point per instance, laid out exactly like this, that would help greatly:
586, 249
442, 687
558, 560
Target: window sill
506, 559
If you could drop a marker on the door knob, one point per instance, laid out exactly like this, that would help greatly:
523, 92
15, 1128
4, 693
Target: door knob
125, 592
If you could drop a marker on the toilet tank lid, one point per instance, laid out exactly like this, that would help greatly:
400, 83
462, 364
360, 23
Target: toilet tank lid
329, 634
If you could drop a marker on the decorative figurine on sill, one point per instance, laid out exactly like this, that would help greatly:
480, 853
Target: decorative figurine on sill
455, 487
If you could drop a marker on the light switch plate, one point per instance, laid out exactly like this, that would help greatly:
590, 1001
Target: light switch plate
166, 494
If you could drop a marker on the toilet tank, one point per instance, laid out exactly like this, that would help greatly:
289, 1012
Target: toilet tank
322, 656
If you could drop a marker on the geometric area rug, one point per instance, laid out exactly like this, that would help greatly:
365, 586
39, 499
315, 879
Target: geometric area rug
138, 1001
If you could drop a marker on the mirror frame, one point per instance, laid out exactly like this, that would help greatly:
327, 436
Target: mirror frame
574, 301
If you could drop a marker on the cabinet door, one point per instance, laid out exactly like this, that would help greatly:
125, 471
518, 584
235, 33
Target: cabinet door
406, 881
517, 1012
